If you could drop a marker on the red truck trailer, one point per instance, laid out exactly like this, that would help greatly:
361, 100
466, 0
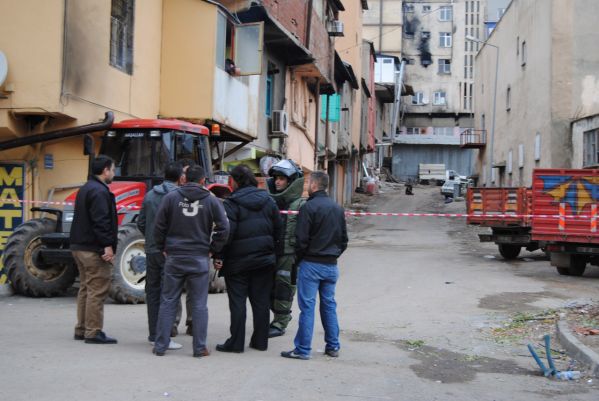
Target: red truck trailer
506, 211
565, 217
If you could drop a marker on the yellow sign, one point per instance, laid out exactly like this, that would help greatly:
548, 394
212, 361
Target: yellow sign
12, 191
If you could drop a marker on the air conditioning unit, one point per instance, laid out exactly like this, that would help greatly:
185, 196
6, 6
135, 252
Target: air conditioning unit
280, 123
335, 28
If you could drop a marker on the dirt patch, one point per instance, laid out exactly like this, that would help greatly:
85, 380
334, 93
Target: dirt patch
513, 301
442, 365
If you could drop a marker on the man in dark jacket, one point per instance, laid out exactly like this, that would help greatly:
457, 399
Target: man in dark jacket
93, 244
190, 224
173, 178
249, 258
321, 237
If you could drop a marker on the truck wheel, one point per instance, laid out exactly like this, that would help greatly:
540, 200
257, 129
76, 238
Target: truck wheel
217, 284
128, 277
563, 271
509, 252
23, 267
578, 264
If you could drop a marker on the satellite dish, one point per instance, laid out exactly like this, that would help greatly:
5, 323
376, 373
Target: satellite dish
3, 67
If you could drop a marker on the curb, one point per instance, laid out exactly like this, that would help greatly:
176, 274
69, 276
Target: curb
5, 290
576, 349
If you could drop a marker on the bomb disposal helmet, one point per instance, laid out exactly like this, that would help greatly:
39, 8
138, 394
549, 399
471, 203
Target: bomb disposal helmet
286, 168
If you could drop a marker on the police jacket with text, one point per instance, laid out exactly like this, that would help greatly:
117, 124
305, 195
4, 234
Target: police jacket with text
95, 224
190, 221
321, 232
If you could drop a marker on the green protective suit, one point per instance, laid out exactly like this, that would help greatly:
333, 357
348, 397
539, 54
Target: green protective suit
284, 288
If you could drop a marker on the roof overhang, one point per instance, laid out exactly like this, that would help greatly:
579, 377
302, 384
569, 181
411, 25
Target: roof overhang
276, 38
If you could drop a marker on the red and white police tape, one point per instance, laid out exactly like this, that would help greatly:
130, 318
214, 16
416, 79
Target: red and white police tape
360, 214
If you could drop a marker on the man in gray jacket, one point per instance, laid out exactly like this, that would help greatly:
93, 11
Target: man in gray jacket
173, 178
190, 225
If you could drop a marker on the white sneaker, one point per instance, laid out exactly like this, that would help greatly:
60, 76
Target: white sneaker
171, 345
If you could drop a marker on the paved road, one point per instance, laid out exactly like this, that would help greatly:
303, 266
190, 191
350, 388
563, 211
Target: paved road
416, 299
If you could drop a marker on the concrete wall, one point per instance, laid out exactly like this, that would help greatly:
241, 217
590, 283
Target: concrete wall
301, 107
406, 159
187, 73
556, 85
382, 24
47, 95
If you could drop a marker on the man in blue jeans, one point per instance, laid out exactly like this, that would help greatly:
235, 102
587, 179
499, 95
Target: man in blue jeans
321, 237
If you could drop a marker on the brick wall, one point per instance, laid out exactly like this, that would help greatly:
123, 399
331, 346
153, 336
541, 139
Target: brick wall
290, 14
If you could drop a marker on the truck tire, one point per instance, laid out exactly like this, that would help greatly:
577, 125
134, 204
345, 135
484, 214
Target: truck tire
563, 271
128, 279
578, 264
509, 252
22, 268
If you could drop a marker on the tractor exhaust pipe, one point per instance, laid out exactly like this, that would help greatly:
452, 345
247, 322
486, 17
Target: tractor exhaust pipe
59, 134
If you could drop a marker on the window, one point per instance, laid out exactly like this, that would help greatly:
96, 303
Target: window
445, 39
443, 131
426, 9
408, 8
520, 156
445, 13
523, 53
418, 98
508, 99
483, 124
425, 34
239, 45
591, 148
412, 131
439, 98
517, 45
538, 147
444, 66
510, 160
334, 107
121, 35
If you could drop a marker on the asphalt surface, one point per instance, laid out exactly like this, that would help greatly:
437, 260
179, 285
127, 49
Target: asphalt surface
416, 297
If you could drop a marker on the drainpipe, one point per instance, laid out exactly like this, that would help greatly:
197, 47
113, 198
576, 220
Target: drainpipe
396, 103
59, 134
317, 123
326, 138
309, 23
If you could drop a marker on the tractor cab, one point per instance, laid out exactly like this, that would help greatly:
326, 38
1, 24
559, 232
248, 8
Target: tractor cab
142, 148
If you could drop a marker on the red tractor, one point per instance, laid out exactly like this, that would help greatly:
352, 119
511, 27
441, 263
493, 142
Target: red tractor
37, 258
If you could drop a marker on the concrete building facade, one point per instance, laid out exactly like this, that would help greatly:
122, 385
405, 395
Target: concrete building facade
440, 69
548, 78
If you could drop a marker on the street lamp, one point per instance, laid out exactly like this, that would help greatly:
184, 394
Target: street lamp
490, 172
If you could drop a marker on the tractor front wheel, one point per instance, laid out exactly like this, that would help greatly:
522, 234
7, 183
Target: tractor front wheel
26, 272
128, 278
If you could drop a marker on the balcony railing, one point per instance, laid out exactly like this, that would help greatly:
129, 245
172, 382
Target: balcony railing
472, 138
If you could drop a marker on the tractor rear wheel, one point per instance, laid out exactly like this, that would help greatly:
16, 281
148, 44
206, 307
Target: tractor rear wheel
509, 252
26, 272
128, 277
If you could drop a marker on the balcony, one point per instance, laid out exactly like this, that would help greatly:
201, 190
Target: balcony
473, 139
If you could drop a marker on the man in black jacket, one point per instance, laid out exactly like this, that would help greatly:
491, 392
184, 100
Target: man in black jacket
93, 244
321, 237
249, 258
190, 224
